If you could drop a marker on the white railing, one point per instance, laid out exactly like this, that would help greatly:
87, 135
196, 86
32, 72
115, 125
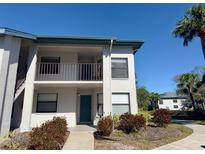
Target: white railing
69, 72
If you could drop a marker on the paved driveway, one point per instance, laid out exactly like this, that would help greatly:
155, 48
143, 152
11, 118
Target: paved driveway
195, 141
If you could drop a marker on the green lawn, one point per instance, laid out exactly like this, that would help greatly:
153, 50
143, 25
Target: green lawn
200, 122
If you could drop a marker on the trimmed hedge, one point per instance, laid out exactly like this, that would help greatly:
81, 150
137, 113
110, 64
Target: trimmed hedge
130, 123
105, 126
139, 122
127, 124
187, 115
161, 117
51, 135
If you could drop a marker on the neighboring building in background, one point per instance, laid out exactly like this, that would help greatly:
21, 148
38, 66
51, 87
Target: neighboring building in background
172, 101
81, 78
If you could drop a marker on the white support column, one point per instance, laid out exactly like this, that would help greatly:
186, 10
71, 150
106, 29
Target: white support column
107, 82
133, 95
12, 50
29, 90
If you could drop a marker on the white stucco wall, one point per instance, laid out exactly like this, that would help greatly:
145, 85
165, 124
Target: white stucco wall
1, 51
169, 104
126, 85
68, 98
10, 49
66, 106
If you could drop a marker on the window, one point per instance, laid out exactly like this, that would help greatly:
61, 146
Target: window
175, 106
119, 68
47, 103
49, 65
160, 101
175, 100
100, 104
183, 101
120, 103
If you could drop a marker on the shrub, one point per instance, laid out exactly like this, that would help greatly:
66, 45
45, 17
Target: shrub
105, 126
116, 121
127, 123
139, 122
161, 117
18, 142
146, 115
130, 122
50, 135
10, 134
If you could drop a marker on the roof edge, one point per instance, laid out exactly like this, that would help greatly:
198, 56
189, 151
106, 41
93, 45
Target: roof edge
71, 39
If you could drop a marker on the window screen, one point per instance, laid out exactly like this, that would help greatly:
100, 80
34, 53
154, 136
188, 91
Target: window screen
175, 100
161, 102
47, 103
120, 103
100, 104
175, 106
119, 68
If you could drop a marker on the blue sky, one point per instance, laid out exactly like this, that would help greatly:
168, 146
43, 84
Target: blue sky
156, 63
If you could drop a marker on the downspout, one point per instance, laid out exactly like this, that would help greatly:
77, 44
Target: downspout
111, 44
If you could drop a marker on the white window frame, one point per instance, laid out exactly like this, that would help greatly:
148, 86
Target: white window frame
115, 104
114, 58
99, 104
175, 101
38, 102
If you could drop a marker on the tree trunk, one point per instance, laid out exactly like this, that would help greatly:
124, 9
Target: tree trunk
193, 102
203, 44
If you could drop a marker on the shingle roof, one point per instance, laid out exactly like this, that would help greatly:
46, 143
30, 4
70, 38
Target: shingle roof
170, 95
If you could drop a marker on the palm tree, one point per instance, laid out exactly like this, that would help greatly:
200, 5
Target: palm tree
192, 25
188, 84
154, 98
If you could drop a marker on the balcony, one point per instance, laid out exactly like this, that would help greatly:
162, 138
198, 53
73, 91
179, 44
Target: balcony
69, 72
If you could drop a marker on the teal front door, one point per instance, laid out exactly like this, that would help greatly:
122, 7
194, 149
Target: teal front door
85, 108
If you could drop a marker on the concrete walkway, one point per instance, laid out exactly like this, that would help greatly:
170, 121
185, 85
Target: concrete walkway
80, 138
195, 141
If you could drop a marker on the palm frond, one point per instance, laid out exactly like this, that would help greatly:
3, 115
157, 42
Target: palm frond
191, 25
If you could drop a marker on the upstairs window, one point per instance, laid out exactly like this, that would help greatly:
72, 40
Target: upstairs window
50, 65
174, 100
119, 68
183, 101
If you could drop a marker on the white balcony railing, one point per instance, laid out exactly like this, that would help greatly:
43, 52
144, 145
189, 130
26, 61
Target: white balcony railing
69, 72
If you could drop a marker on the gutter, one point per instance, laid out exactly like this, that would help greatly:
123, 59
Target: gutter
111, 45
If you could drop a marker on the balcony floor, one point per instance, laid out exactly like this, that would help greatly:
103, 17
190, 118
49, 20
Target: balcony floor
68, 83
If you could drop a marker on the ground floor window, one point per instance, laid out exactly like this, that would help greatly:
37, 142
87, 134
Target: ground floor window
120, 103
175, 106
47, 102
100, 104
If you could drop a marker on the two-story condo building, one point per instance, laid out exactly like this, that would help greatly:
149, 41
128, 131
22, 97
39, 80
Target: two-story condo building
80, 78
172, 101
